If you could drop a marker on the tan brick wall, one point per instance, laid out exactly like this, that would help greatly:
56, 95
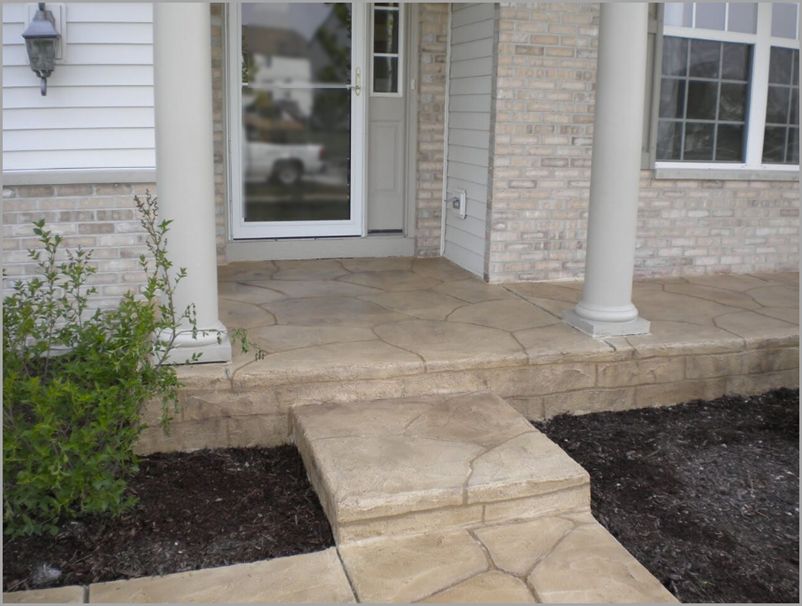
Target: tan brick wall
433, 21
542, 155
100, 217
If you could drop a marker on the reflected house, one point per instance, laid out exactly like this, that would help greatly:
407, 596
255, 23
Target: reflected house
276, 57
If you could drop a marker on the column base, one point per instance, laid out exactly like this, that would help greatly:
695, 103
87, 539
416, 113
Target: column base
211, 343
597, 328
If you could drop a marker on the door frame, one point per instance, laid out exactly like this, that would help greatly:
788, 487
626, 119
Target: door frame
356, 226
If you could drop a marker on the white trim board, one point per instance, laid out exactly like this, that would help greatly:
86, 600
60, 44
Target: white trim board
320, 248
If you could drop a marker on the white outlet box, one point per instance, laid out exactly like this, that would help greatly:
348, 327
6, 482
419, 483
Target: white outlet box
459, 202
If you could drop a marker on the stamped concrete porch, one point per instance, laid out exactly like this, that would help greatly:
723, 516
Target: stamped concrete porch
365, 329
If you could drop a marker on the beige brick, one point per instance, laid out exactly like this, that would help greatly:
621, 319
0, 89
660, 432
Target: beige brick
640, 372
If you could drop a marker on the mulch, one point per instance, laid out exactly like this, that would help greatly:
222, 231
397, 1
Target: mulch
704, 494
196, 510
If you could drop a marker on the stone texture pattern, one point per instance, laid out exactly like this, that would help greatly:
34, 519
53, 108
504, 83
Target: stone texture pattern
308, 578
541, 160
555, 559
72, 594
430, 463
372, 329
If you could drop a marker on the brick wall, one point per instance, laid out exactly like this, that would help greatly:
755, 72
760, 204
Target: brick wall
100, 217
431, 119
541, 171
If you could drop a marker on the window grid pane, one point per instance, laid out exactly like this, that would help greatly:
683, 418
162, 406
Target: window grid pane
781, 134
386, 48
703, 97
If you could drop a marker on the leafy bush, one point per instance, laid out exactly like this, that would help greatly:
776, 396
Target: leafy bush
75, 380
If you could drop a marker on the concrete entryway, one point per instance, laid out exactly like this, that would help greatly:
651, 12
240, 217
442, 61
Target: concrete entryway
365, 329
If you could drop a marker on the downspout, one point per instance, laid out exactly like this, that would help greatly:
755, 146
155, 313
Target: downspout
444, 197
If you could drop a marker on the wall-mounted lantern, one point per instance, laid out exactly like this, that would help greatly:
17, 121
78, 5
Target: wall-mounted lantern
41, 40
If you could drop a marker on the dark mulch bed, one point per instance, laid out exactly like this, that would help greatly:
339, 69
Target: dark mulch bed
196, 510
704, 494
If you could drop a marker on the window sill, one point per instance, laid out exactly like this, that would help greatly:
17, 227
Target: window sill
725, 174
79, 176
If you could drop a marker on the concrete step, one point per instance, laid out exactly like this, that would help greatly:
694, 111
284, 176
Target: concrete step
404, 466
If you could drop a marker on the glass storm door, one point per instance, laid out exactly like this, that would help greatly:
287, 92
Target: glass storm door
300, 127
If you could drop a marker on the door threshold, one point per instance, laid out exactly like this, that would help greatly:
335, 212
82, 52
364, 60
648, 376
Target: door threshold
373, 245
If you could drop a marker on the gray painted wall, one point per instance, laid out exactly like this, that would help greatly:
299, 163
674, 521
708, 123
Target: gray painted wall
471, 82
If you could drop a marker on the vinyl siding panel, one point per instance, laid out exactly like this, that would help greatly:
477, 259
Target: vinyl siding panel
471, 70
98, 112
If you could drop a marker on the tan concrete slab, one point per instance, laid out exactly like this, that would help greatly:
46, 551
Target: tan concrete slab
391, 280
394, 457
787, 314
441, 269
359, 359
423, 304
453, 345
492, 587
358, 265
309, 578
733, 298
555, 291
677, 338
733, 282
316, 269
407, 569
299, 289
473, 290
247, 270
559, 342
516, 548
247, 293
509, 315
243, 315
527, 465
755, 327
668, 306
284, 337
331, 311
589, 566
72, 594
776, 296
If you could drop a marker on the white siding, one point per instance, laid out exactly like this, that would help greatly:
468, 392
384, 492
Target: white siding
98, 112
473, 31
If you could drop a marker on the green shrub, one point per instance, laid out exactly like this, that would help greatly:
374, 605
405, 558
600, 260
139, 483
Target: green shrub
75, 381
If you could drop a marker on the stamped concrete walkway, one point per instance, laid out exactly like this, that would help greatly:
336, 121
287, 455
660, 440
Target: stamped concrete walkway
366, 329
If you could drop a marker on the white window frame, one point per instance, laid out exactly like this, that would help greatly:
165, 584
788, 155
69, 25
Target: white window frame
399, 8
762, 41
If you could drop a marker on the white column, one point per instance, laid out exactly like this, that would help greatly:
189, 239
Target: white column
185, 167
606, 308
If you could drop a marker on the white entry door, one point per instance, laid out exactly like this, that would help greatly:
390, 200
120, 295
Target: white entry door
298, 119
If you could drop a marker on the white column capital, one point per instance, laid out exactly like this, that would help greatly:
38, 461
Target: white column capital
606, 308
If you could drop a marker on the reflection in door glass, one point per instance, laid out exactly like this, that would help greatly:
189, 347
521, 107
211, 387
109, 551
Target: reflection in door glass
296, 111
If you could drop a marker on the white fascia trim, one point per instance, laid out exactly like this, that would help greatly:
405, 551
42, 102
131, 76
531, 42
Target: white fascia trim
725, 172
79, 176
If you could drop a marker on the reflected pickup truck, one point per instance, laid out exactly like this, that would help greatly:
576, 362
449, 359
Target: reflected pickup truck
284, 163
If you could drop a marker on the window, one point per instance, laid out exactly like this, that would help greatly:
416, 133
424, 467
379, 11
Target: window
729, 85
386, 49
781, 137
